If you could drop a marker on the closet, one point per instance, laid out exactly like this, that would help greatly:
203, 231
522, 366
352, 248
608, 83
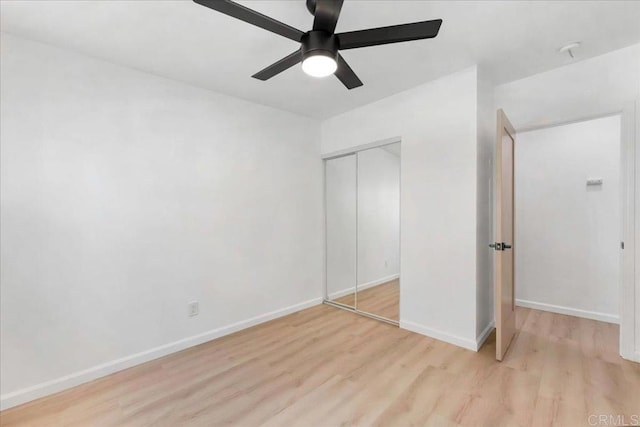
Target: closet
362, 208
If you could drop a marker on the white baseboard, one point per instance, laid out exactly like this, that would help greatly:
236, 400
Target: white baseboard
341, 293
485, 334
380, 281
37, 391
363, 286
634, 357
593, 315
469, 344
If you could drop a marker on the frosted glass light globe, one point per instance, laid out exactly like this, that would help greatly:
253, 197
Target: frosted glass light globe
319, 65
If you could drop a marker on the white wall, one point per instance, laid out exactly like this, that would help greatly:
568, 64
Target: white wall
378, 216
124, 197
567, 233
588, 88
437, 124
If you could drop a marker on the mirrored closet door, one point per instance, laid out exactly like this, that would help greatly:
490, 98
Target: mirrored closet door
363, 231
340, 205
378, 232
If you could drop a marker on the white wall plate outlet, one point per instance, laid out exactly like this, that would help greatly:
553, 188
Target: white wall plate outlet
193, 308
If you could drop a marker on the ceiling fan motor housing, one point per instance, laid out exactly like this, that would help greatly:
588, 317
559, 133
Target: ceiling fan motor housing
319, 43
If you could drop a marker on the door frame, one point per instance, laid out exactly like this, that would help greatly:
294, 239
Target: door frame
629, 286
630, 256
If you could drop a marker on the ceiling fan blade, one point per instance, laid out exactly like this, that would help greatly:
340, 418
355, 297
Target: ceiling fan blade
245, 14
326, 14
278, 67
345, 74
392, 34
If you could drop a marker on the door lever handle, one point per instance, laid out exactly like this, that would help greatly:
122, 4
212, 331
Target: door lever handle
499, 246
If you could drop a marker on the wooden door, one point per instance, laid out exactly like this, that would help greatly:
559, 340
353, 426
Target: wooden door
504, 245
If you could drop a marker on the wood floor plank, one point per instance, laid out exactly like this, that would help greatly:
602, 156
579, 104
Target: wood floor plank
382, 300
324, 366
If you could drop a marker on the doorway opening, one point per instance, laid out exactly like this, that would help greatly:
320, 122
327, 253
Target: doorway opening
567, 252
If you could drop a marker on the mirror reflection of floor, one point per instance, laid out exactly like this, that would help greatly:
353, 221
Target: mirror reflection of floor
382, 300
348, 299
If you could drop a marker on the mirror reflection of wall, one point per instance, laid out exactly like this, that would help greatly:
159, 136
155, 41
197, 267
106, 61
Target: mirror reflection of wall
340, 188
378, 231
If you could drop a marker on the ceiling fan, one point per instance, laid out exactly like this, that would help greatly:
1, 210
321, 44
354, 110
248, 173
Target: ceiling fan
319, 50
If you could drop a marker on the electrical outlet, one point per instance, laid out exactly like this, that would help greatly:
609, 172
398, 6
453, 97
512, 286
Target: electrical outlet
193, 308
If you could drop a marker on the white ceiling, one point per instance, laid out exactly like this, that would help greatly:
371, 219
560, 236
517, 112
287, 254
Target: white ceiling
187, 42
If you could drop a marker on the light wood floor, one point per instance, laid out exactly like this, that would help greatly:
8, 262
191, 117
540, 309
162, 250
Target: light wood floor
382, 300
325, 366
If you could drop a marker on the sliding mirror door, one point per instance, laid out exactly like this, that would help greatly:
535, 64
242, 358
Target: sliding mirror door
341, 193
378, 231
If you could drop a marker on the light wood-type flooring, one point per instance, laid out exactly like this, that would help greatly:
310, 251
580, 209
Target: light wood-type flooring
382, 300
326, 367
